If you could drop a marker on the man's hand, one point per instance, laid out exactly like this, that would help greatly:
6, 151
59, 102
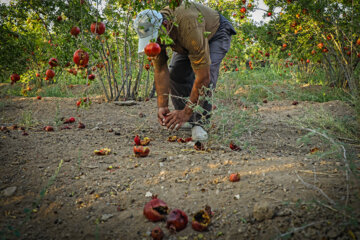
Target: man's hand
162, 112
176, 119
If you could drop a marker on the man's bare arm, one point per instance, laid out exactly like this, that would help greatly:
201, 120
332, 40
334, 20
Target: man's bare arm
162, 79
202, 80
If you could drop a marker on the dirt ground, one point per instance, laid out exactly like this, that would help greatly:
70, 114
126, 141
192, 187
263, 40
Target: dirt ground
102, 197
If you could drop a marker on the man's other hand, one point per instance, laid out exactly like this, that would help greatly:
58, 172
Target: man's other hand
162, 112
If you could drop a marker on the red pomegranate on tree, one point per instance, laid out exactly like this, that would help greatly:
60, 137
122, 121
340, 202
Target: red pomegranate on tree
53, 62
91, 77
14, 78
75, 31
81, 58
97, 27
50, 73
152, 49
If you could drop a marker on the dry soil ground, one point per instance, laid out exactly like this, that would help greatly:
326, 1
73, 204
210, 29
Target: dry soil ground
88, 200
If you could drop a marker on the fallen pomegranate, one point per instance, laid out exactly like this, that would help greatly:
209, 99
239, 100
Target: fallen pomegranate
141, 151
177, 220
81, 58
137, 140
69, 120
38, 97
234, 147
172, 139
234, 177
75, 31
155, 210
50, 73
81, 125
97, 27
295, 102
53, 62
199, 146
49, 128
202, 219
145, 141
152, 49
157, 234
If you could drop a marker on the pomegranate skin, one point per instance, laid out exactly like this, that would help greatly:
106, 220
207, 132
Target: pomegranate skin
177, 220
155, 210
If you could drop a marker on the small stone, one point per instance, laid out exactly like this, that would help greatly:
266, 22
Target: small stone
263, 210
106, 217
8, 192
237, 196
148, 194
284, 212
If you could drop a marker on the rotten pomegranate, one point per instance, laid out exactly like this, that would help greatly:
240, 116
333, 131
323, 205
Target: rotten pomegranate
141, 151
202, 219
177, 220
234, 177
157, 234
155, 210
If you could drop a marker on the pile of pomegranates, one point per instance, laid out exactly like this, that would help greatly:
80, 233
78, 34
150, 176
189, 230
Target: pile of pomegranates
156, 210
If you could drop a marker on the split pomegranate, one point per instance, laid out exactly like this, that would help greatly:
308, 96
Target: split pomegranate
157, 234
53, 62
97, 27
177, 220
81, 58
50, 73
199, 146
141, 151
234, 177
202, 219
75, 31
145, 141
152, 49
155, 210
